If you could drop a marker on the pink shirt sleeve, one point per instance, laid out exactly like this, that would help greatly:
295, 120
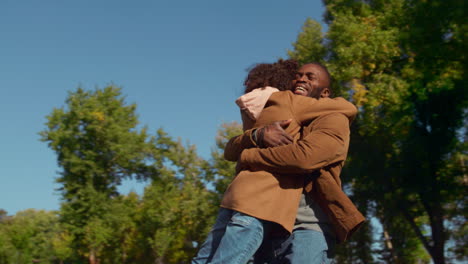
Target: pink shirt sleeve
252, 103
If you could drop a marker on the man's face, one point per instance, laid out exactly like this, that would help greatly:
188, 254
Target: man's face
309, 81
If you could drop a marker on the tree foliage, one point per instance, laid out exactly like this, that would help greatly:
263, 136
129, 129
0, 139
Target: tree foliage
27, 237
177, 209
98, 144
223, 171
402, 63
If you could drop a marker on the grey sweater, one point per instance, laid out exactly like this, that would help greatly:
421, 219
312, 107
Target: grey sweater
310, 216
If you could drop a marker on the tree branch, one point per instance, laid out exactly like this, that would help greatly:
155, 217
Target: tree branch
416, 229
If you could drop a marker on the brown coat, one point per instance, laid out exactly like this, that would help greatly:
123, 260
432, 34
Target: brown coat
272, 186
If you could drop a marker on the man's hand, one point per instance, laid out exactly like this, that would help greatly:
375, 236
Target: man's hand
273, 135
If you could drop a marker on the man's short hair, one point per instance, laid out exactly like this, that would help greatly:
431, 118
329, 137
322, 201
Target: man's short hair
328, 81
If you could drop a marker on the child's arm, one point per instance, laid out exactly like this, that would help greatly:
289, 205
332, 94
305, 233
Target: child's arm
251, 105
247, 122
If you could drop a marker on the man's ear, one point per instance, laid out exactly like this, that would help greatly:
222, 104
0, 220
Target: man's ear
325, 93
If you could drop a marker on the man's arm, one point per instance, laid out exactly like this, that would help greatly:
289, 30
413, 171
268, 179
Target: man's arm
326, 144
306, 109
237, 144
271, 135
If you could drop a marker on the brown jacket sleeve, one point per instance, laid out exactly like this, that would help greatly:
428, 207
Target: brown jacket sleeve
326, 144
247, 122
306, 109
237, 144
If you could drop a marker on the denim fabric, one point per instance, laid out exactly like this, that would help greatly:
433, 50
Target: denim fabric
234, 239
302, 247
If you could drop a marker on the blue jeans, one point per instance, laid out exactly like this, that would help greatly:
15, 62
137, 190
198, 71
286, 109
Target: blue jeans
301, 247
233, 239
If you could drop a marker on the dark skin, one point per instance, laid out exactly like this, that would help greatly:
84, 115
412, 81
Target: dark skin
310, 81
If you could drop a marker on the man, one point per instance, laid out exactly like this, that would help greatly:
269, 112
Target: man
325, 142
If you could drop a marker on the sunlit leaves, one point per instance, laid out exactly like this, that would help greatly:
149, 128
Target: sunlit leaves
402, 62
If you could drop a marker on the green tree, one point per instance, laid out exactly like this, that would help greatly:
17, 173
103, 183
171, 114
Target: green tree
402, 63
26, 237
97, 144
61, 244
5, 245
122, 219
223, 171
177, 208
3, 214
309, 45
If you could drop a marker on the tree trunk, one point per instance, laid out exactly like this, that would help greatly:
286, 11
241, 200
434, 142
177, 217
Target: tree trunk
92, 257
159, 260
389, 245
438, 236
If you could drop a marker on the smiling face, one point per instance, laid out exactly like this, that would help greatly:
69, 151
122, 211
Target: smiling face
311, 80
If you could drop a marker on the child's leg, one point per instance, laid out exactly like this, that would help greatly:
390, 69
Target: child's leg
274, 246
209, 247
243, 236
310, 246
303, 246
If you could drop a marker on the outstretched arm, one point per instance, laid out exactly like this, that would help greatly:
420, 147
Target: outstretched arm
327, 143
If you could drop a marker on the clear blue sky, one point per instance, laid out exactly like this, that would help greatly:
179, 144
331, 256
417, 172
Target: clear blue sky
181, 62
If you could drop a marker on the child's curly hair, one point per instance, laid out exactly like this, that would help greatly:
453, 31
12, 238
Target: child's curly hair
279, 75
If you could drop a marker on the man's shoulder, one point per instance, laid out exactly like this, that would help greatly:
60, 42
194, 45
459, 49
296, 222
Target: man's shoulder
280, 99
334, 120
289, 98
335, 116
281, 95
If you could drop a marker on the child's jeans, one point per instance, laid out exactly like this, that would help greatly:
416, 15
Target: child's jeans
234, 239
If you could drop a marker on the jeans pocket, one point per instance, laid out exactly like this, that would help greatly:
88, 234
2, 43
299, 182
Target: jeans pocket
241, 219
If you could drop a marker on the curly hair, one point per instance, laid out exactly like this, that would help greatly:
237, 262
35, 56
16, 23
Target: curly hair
279, 75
